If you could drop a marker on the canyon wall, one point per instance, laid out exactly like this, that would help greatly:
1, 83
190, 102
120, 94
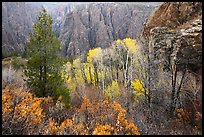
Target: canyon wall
174, 34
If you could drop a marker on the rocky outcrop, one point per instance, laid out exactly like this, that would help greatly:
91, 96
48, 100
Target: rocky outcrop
173, 15
178, 36
97, 25
183, 46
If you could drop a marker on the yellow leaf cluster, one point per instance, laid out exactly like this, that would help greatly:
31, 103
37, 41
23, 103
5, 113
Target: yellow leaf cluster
94, 54
138, 87
129, 44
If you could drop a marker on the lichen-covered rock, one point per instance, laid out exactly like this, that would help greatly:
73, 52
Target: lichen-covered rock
184, 46
173, 15
181, 43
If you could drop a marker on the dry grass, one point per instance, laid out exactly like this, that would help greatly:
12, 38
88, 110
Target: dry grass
10, 75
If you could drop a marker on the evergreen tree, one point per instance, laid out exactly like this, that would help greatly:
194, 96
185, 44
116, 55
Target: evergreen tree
43, 67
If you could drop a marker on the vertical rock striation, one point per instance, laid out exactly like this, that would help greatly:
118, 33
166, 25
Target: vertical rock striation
97, 25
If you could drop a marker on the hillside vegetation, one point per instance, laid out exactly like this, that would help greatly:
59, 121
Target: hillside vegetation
130, 87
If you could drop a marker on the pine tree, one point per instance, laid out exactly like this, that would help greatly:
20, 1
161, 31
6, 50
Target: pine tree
43, 66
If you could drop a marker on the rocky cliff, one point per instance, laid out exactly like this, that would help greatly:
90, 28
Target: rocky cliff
80, 26
174, 34
16, 25
97, 25
18, 19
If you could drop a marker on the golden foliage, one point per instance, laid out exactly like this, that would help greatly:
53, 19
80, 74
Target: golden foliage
94, 55
108, 118
129, 44
28, 116
51, 128
103, 130
21, 108
139, 90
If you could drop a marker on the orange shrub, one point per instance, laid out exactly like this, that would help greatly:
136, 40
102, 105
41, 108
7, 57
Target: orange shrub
23, 113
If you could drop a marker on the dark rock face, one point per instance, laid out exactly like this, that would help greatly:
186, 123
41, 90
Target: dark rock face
16, 25
97, 25
181, 42
18, 19
79, 26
